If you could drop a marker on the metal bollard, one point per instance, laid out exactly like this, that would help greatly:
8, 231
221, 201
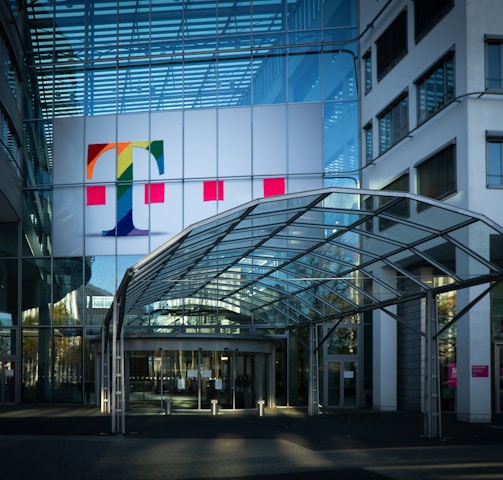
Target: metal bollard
214, 407
168, 406
260, 408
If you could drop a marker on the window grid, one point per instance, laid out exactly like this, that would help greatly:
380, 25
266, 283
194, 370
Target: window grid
494, 61
369, 143
393, 123
495, 163
367, 61
436, 89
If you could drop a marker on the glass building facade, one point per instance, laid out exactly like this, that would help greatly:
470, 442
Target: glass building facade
124, 122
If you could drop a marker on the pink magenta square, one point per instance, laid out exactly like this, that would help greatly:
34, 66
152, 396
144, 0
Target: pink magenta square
213, 190
96, 195
154, 193
274, 186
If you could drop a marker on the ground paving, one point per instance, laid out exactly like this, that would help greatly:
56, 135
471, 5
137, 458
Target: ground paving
46, 443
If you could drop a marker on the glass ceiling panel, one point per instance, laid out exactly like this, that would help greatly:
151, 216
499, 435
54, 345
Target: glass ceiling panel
226, 45
474, 238
370, 246
302, 276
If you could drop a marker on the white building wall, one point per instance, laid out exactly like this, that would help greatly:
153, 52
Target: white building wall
464, 121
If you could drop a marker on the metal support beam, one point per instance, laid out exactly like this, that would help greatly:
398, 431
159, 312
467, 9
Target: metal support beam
465, 309
432, 418
313, 406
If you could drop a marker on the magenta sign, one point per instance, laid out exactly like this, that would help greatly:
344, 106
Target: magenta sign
480, 370
453, 375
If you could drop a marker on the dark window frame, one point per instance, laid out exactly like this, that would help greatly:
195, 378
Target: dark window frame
369, 142
494, 159
438, 84
393, 122
436, 176
392, 45
401, 207
367, 71
427, 14
494, 63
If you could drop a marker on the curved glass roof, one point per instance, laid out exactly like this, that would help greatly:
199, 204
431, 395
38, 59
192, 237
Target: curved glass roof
316, 256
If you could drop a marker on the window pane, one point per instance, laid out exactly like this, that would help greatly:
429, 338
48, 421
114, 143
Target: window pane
369, 144
368, 74
394, 124
427, 13
494, 167
493, 79
392, 45
437, 176
435, 89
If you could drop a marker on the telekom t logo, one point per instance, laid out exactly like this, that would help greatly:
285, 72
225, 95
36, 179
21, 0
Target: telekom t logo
96, 194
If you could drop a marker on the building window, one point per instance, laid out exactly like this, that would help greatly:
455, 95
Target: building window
369, 143
367, 72
494, 61
393, 123
436, 177
392, 45
400, 184
427, 13
400, 207
495, 161
435, 89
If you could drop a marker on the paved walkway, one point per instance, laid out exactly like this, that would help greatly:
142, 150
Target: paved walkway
75, 443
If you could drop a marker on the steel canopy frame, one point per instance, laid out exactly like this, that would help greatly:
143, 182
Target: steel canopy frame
311, 257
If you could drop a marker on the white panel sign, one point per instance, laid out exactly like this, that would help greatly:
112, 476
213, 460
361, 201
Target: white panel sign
125, 184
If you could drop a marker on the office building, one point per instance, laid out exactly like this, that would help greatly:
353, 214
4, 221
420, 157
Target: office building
130, 127
430, 101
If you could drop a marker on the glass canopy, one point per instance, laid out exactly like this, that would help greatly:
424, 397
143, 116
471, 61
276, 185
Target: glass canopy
316, 256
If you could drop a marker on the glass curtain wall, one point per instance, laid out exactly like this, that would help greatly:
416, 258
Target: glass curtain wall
98, 58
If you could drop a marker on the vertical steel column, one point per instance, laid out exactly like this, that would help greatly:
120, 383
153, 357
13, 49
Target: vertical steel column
117, 397
105, 373
113, 393
121, 380
199, 379
313, 406
432, 419
160, 377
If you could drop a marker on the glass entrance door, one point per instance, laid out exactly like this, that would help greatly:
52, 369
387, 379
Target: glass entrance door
498, 360
340, 384
6, 381
191, 379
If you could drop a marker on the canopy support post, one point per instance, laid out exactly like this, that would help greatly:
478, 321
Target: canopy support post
118, 402
432, 411
313, 406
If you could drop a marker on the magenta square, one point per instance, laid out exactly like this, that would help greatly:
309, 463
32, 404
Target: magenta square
154, 193
96, 195
274, 186
480, 371
213, 190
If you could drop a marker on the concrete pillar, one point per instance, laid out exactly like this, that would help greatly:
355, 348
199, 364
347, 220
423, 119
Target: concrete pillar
473, 358
384, 361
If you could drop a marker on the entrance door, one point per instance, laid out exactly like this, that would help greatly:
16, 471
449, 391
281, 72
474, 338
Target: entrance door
191, 379
6, 381
340, 384
498, 375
